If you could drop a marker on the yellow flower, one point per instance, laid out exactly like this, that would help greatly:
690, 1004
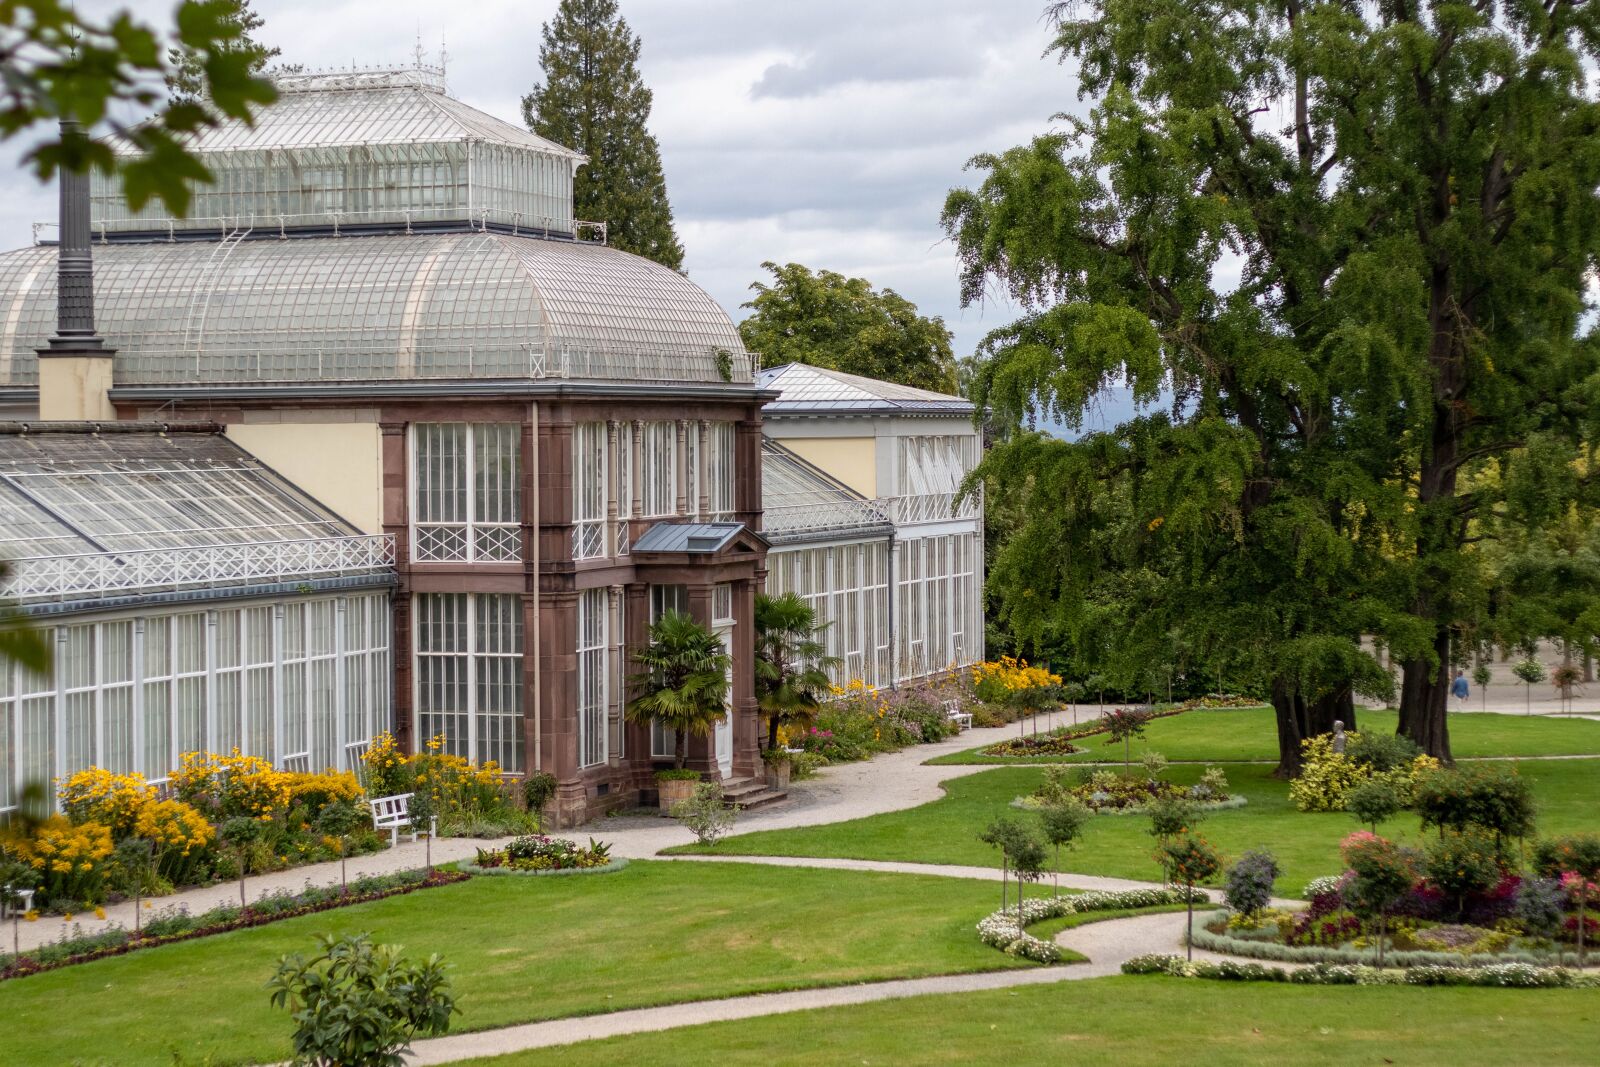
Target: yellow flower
99, 912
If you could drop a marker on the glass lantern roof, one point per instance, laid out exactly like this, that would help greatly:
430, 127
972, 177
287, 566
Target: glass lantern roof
376, 148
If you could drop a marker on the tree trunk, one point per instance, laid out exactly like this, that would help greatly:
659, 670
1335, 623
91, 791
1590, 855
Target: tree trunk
772, 733
1425, 701
1299, 719
680, 749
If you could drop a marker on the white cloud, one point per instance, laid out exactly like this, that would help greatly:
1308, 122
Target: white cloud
825, 133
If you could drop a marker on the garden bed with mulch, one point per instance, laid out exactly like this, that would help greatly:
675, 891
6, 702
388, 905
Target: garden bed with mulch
119, 941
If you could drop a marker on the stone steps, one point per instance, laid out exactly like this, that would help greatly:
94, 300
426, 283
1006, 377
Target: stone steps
746, 794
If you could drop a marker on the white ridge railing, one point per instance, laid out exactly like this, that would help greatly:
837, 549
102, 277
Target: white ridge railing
63, 577
821, 515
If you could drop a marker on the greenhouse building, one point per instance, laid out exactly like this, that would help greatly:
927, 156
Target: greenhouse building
383, 438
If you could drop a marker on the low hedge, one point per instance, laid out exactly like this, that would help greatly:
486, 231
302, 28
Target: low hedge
1250, 944
1007, 930
173, 925
473, 869
1497, 975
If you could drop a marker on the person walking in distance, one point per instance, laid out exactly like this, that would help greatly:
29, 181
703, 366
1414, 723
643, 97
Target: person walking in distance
1458, 688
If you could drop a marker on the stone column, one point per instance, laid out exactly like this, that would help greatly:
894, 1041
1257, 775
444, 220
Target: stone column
704, 464
682, 504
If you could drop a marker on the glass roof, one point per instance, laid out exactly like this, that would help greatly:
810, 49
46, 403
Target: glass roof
384, 148
365, 308
819, 389
797, 498
68, 493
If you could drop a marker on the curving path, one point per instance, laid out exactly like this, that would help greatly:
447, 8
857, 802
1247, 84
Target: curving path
1107, 944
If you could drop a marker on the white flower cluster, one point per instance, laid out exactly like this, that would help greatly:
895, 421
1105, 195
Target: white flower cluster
1003, 931
1327, 884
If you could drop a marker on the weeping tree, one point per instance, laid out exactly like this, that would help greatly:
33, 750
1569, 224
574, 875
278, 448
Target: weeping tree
1344, 247
682, 682
791, 661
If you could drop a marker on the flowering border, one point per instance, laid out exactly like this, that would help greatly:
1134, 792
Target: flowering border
494, 872
1003, 931
1496, 975
1327, 955
1022, 803
23, 965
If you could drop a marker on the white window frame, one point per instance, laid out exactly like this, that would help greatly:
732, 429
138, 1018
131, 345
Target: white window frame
593, 634
467, 536
473, 653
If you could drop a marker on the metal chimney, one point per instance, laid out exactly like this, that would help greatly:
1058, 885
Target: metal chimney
75, 368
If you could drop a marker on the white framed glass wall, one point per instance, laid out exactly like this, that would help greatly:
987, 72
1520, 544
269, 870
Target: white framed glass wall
593, 683
134, 694
939, 604
847, 586
466, 492
589, 468
469, 675
935, 464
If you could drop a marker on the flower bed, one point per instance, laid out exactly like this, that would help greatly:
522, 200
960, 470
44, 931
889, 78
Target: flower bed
1500, 975
1106, 792
1055, 743
537, 854
169, 925
1058, 742
1334, 938
1007, 930
858, 722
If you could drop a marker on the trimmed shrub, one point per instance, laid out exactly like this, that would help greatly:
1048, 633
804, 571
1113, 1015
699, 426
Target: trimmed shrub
1248, 888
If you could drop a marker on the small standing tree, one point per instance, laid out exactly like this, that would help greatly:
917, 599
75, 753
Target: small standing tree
1374, 801
135, 857
1566, 677
1481, 677
240, 834
1063, 821
1575, 859
356, 1004
1124, 724
792, 662
1171, 816
338, 820
1384, 873
684, 681
1530, 671
537, 789
1188, 860
1248, 888
1021, 852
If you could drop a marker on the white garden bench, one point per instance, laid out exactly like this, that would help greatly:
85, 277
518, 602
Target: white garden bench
962, 719
15, 901
391, 813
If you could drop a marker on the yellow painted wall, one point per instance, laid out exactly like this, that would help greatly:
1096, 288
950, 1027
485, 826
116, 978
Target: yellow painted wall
73, 389
852, 460
339, 463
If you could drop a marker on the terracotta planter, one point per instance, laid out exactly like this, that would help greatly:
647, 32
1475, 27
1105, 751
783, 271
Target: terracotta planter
672, 790
778, 773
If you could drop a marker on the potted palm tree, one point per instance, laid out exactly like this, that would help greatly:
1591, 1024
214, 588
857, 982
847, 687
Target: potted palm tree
682, 684
791, 672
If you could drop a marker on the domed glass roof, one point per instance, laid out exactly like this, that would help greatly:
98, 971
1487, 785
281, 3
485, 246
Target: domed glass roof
461, 305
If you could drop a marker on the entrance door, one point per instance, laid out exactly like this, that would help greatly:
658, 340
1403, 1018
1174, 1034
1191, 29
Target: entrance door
723, 735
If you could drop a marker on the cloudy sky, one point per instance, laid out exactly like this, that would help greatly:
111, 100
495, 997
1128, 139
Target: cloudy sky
825, 133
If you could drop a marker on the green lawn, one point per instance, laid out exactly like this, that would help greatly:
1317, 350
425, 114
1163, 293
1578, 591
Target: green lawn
521, 949
946, 830
1250, 734
1131, 1021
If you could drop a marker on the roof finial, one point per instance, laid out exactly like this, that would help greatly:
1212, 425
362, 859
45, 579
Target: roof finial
417, 53
444, 59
